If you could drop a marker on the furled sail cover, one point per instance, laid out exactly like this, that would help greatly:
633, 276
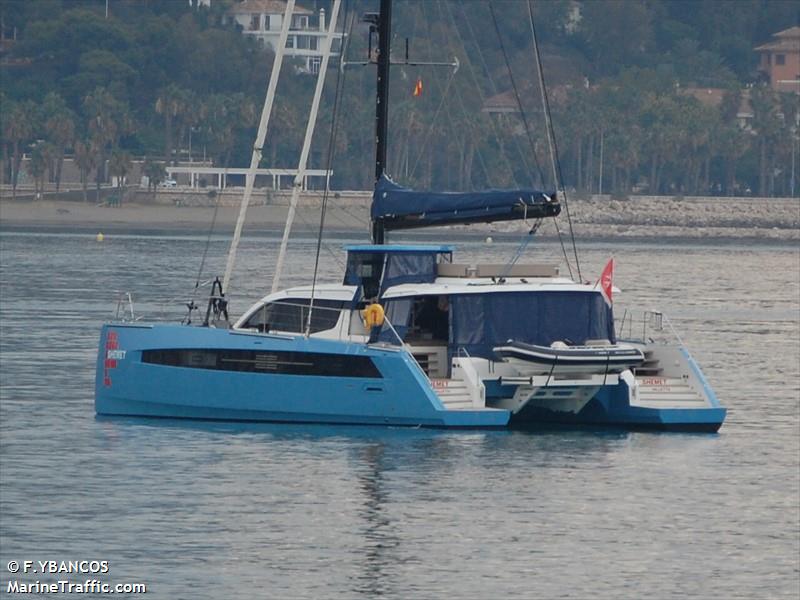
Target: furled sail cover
402, 208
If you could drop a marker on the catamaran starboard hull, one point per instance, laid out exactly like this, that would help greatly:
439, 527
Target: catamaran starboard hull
675, 397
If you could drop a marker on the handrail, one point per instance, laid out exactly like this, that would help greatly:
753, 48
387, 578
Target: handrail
674, 332
405, 347
120, 306
651, 321
477, 390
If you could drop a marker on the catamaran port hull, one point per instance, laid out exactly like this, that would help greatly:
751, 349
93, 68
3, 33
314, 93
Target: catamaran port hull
173, 371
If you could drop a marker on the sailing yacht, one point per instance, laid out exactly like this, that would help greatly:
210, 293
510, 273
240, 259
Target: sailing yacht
413, 338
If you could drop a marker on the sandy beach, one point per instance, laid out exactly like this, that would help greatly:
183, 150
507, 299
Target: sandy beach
601, 217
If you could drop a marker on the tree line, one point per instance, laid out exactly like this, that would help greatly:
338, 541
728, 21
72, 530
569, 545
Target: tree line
164, 80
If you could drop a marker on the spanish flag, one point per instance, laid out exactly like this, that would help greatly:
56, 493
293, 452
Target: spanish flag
418, 88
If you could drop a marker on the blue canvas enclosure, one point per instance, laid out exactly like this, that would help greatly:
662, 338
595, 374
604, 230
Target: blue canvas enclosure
371, 265
410, 267
479, 322
402, 208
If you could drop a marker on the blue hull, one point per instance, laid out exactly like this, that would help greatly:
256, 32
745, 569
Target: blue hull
353, 384
311, 381
707, 420
611, 408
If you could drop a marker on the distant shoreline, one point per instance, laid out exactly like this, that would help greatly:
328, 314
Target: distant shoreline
635, 220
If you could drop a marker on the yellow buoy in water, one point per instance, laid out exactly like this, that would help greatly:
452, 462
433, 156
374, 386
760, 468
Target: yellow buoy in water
100, 237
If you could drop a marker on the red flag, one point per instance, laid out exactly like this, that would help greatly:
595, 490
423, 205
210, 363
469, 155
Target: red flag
606, 282
418, 88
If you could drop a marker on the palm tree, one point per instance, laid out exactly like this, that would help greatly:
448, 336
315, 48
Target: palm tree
119, 165
5, 104
191, 115
225, 114
730, 144
173, 102
59, 125
108, 120
38, 166
154, 171
769, 129
86, 159
18, 131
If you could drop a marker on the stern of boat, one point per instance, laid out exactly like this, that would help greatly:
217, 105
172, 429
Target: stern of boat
666, 391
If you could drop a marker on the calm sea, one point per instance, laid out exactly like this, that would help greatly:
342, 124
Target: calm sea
198, 510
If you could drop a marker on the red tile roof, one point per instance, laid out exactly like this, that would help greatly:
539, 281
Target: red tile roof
787, 40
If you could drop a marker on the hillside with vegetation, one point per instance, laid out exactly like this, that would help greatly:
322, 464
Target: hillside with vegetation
163, 81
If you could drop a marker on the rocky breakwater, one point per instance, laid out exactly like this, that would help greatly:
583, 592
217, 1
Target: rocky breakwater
682, 217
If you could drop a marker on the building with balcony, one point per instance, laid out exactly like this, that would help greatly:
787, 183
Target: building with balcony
263, 20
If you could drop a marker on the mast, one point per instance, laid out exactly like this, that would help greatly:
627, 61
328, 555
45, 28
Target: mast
382, 103
303, 163
260, 137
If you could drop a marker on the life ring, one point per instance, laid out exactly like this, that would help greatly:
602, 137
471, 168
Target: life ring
373, 316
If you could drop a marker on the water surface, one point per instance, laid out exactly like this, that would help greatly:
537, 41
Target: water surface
212, 510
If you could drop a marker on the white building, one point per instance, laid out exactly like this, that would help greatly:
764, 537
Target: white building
263, 19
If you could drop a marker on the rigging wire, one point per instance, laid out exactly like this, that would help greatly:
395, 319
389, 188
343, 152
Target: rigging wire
516, 94
432, 124
341, 75
521, 248
309, 227
447, 113
552, 137
526, 239
563, 248
401, 164
354, 216
493, 89
191, 305
471, 121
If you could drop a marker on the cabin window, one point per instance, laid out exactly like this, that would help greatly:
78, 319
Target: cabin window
423, 320
255, 22
268, 362
365, 269
411, 267
430, 319
780, 59
291, 314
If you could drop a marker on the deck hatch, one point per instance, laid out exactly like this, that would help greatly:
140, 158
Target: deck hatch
270, 362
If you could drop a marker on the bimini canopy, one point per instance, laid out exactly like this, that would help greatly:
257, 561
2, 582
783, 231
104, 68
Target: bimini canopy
401, 208
479, 322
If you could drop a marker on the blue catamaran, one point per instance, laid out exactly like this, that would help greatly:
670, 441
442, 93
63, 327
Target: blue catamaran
412, 338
